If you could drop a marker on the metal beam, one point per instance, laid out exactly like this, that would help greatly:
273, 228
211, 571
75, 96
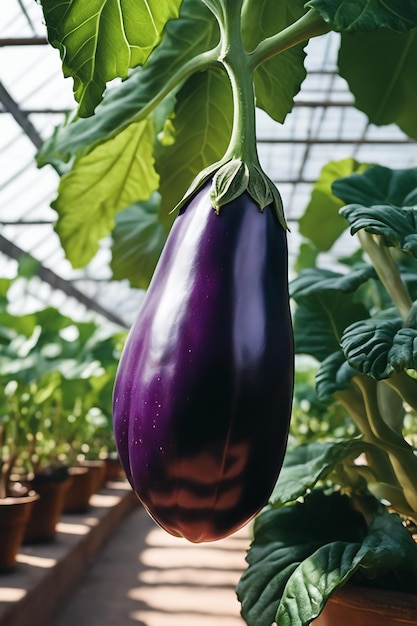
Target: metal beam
23, 41
57, 282
24, 122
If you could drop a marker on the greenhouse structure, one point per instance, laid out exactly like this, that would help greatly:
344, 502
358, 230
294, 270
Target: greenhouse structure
336, 135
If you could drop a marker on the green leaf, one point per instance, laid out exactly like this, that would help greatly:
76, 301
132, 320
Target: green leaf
334, 374
387, 547
367, 345
403, 353
302, 553
194, 32
110, 178
216, 7
379, 185
355, 15
396, 227
100, 40
328, 315
325, 303
138, 239
285, 536
324, 206
277, 80
17, 324
202, 122
325, 571
307, 256
315, 280
37, 346
380, 70
305, 465
5, 284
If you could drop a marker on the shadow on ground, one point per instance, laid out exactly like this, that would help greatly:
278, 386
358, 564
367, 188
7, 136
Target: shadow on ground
145, 577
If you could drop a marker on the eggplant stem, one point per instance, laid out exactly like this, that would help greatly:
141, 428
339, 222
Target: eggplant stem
309, 25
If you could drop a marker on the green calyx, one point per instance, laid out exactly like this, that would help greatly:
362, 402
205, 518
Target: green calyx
232, 178
235, 177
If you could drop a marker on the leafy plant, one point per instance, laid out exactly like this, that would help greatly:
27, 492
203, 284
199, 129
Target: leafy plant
356, 492
134, 147
57, 377
184, 114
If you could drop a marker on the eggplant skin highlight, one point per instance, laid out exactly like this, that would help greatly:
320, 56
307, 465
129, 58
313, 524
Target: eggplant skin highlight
203, 392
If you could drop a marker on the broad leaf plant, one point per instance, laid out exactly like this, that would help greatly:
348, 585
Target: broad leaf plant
165, 93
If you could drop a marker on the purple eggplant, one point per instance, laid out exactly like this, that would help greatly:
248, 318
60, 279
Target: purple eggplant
203, 392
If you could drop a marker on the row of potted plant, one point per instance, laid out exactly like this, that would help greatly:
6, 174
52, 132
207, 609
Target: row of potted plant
56, 379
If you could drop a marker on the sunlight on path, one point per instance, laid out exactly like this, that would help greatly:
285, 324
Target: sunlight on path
145, 577
185, 584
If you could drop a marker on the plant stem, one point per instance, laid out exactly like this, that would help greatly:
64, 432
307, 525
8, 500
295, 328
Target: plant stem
309, 25
405, 386
388, 272
401, 454
377, 458
236, 62
381, 430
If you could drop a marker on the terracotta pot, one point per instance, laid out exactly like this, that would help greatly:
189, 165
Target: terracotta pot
78, 494
114, 470
98, 470
46, 512
14, 515
358, 606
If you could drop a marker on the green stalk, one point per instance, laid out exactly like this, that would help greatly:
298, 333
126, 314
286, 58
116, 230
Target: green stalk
387, 271
353, 402
239, 169
400, 453
383, 433
405, 386
309, 25
235, 60
377, 458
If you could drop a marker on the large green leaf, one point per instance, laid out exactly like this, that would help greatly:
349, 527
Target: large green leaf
355, 15
138, 239
324, 206
387, 547
315, 280
378, 185
100, 40
319, 323
325, 306
403, 353
305, 465
380, 70
334, 374
325, 570
302, 553
194, 32
379, 348
27, 357
396, 227
285, 536
277, 80
110, 178
202, 123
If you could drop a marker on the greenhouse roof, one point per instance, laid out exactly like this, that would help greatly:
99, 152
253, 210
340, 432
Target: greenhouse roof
34, 98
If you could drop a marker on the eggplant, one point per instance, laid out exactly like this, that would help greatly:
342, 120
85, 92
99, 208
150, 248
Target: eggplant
203, 391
